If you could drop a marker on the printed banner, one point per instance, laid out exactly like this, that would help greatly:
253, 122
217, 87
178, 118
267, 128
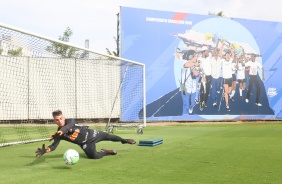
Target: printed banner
201, 67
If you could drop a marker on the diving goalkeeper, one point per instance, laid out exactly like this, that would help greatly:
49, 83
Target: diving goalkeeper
69, 130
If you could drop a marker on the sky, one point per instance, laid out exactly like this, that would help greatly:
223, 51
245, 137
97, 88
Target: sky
96, 20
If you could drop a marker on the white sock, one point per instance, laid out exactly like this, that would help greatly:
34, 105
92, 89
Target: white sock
232, 93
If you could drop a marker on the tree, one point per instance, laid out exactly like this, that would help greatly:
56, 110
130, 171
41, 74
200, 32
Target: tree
62, 50
116, 39
17, 52
113, 52
1, 50
220, 14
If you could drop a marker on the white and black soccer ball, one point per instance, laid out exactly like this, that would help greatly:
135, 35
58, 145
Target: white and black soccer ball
71, 157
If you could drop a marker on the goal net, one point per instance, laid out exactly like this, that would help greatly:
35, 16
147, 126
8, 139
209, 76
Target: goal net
39, 75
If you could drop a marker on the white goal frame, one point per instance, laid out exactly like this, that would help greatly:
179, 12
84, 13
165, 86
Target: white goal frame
80, 66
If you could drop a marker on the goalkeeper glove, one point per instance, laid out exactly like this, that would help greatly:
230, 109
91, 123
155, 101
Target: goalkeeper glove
52, 137
40, 151
57, 134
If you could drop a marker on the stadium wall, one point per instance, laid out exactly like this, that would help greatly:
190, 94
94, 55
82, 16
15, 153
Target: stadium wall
31, 88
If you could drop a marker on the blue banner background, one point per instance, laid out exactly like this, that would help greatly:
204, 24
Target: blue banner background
147, 37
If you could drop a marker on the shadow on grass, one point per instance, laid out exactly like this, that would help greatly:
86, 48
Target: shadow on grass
35, 162
61, 167
41, 159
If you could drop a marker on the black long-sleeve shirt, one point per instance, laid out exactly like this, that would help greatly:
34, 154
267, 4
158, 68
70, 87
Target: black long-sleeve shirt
74, 133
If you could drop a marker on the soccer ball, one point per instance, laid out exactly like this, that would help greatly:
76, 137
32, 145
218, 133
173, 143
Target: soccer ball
71, 157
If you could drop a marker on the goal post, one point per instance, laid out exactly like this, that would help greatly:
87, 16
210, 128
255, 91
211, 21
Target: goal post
40, 75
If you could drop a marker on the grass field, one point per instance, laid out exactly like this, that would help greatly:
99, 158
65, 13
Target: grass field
190, 153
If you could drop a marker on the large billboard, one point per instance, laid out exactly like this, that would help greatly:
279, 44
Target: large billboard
202, 67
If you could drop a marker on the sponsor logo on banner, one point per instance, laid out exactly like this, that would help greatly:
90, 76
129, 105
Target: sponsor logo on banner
271, 92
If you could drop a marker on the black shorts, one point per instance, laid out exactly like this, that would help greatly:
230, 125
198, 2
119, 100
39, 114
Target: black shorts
228, 81
233, 77
241, 80
89, 147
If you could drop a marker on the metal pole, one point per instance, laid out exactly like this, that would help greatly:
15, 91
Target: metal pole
117, 41
75, 83
28, 87
144, 96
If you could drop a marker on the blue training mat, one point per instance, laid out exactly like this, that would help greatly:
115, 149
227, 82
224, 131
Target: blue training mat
150, 142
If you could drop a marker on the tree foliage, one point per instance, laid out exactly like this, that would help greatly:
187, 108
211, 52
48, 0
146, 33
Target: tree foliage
116, 39
63, 50
220, 14
114, 53
17, 52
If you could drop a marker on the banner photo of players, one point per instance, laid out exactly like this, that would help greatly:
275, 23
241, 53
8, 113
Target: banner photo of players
203, 67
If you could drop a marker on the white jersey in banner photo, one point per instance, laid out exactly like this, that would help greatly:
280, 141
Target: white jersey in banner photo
227, 69
253, 67
241, 71
205, 65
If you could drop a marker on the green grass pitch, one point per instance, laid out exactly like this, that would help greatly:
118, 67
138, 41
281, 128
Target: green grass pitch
190, 153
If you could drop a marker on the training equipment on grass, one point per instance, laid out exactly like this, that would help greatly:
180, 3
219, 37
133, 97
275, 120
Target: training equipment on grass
40, 75
151, 142
71, 157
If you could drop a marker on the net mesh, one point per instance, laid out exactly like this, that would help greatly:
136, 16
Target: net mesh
39, 75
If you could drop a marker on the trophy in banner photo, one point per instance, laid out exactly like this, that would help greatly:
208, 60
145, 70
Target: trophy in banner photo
238, 50
195, 40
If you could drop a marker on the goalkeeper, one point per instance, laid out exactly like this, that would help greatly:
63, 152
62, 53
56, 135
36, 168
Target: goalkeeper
69, 130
